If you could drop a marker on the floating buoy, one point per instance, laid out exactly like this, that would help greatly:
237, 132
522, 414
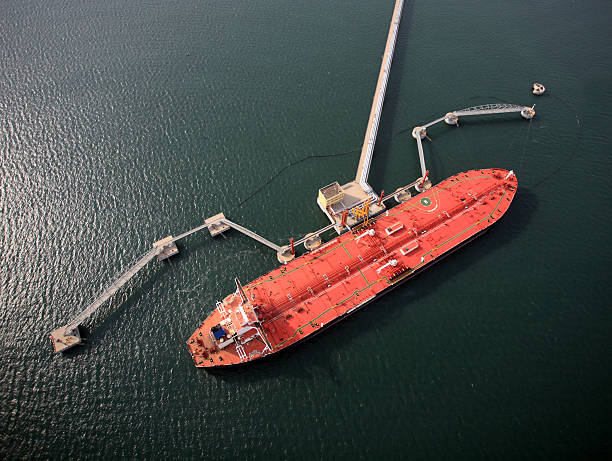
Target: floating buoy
538, 89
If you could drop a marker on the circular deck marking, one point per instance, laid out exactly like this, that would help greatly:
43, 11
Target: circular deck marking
425, 201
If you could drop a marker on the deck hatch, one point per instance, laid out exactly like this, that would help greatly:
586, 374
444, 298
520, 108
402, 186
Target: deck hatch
410, 247
393, 228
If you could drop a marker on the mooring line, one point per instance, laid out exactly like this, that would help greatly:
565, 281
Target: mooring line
525, 145
289, 165
574, 151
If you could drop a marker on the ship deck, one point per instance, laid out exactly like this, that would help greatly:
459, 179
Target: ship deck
318, 288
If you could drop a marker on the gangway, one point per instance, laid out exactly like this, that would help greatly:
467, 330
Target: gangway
452, 118
218, 224
252, 234
112, 289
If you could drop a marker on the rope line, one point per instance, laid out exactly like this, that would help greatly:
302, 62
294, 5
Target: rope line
573, 152
289, 165
514, 138
525, 145
308, 157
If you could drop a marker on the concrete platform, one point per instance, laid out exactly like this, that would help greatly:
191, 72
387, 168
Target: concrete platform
165, 248
312, 241
63, 340
285, 256
354, 195
215, 224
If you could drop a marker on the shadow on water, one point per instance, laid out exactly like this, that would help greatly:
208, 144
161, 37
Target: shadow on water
319, 354
307, 354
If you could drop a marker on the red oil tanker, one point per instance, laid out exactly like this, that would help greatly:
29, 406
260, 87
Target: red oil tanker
316, 290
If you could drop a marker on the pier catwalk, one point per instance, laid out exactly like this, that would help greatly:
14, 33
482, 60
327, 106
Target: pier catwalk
367, 150
67, 336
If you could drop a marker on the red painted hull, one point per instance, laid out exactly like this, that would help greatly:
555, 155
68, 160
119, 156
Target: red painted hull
314, 291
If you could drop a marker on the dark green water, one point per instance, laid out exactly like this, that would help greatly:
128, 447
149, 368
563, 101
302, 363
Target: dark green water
122, 122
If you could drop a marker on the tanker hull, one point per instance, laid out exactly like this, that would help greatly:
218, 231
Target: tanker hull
296, 301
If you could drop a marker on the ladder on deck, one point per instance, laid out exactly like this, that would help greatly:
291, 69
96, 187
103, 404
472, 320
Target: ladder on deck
241, 352
221, 308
